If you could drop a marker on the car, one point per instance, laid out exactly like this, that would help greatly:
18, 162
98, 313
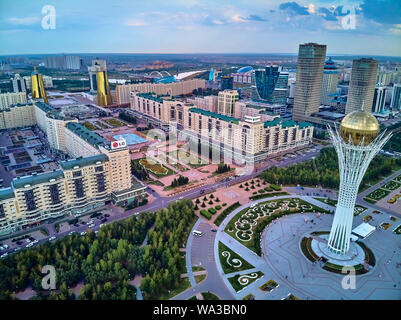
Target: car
5, 246
180, 198
91, 225
213, 230
101, 225
4, 255
72, 232
107, 215
52, 238
35, 241
29, 245
19, 242
17, 249
27, 240
83, 233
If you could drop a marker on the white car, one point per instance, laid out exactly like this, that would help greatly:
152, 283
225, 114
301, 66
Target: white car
101, 225
72, 232
91, 225
29, 245
83, 233
52, 238
27, 240
5, 246
35, 241
4, 255
1, 248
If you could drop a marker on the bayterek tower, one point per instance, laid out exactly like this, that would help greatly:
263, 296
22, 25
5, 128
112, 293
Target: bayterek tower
356, 142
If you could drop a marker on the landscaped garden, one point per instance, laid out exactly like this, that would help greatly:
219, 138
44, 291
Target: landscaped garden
226, 212
240, 281
90, 126
114, 122
331, 202
231, 261
377, 194
155, 167
392, 185
247, 225
208, 206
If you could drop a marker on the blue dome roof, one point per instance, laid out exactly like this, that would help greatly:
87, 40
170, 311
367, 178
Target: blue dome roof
244, 69
330, 65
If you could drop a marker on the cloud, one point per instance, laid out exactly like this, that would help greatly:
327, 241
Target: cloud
26, 21
135, 23
382, 11
294, 9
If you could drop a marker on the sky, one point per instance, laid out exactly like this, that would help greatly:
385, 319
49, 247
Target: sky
370, 27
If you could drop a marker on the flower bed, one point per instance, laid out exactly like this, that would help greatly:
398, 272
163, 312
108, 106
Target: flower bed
269, 286
239, 281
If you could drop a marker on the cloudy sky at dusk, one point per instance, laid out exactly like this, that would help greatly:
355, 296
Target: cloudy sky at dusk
371, 27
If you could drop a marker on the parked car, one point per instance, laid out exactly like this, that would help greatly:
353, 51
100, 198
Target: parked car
52, 238
83, 233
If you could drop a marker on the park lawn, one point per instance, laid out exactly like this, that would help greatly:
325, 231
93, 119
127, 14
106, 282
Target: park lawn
90, 126
226, 212
197, 268
224, 261
200, 278
237, 286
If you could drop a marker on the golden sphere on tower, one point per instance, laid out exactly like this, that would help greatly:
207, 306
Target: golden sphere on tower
359, 124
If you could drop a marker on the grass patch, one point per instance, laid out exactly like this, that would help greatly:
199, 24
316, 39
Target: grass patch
209, 296
240, 281
268, 195
378, 194
232, 262
200, 278
206, 214
154, 167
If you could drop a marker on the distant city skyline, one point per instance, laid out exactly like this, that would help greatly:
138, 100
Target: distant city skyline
353, 27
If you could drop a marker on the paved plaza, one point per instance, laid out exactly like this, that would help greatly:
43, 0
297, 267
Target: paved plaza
283, 261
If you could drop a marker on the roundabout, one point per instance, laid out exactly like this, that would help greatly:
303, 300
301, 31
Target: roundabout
281, 259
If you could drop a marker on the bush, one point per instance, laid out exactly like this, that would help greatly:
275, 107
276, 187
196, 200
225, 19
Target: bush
261, 191
275, 187
226, 212
224, 204
203, 205
212, 196
206, 214
212, 210
217, 200
217, 207
268, 189
210, 202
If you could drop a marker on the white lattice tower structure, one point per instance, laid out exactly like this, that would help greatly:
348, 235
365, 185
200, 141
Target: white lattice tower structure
353, 161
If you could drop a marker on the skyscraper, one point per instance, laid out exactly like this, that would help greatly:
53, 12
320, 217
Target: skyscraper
329, 85
103, 89
38, 88
271, 84
18, 83
396, 97
379, 98
361, 85
97, 65
311, 57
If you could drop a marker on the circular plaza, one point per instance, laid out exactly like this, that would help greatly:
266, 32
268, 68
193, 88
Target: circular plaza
261, 253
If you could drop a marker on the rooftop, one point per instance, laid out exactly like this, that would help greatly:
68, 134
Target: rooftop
49, 110
215, 115
150, 96
89, 136
83, 162
36, 179
6, 193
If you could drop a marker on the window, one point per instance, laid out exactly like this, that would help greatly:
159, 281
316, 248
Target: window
100, 181
99, 169
2, 213
79, 188
30, 200
54, 194
77, 174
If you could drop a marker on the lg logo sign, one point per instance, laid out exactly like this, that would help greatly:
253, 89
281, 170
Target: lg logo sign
118, 144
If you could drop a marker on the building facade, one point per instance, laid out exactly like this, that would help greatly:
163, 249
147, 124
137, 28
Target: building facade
9, 98
396, 97
309, 78
47, 82
19, 83
226, 102
171, 89
379, 99
329, 85
272, 84
362, 85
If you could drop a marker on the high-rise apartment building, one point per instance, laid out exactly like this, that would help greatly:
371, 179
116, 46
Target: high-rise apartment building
226, 102
362, 85
311, 58
329, 85
63, 62
19, 83
396, 97
379, 98
272, 84
9, 98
